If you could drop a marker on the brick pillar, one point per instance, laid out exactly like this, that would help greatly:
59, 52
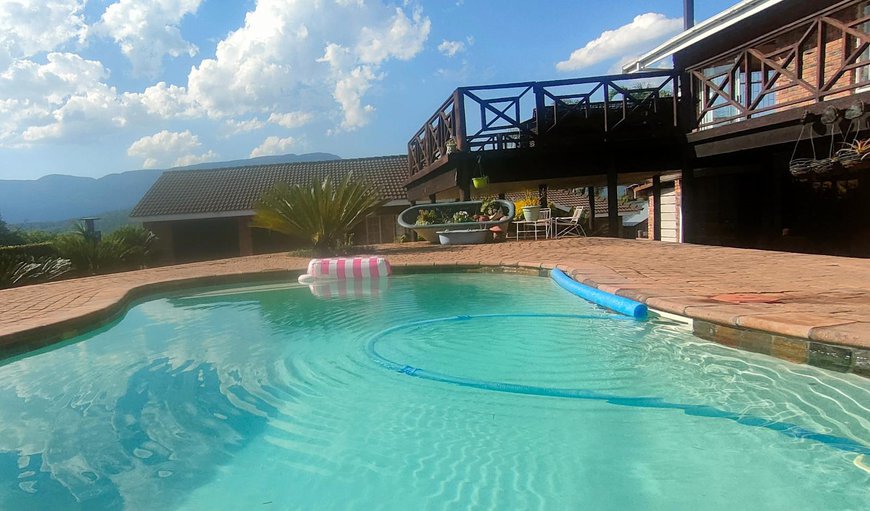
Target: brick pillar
246, 243
686, 212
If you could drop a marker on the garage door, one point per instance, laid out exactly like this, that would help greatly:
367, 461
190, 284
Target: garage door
669, 216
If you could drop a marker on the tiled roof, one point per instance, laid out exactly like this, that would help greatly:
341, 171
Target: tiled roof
567, 198
191, 192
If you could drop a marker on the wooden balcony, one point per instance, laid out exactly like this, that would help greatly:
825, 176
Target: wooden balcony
538, 122
761, 93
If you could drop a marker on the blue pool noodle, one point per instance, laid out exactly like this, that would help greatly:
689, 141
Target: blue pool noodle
619, 304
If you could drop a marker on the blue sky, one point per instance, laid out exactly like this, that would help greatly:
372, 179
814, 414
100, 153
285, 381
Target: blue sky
100, 86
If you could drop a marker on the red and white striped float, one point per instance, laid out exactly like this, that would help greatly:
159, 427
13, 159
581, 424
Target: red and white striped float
347, 276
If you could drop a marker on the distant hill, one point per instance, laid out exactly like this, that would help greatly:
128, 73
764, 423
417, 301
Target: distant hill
60, 197
108, 221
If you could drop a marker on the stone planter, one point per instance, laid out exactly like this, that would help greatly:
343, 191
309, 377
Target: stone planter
531, 213
463, 237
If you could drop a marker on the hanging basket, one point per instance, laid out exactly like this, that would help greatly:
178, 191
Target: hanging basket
480, 182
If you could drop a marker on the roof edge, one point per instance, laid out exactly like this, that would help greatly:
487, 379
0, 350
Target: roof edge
340, 160
193, 216
699, 32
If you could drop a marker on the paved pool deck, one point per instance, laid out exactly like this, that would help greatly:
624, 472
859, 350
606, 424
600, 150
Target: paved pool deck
805, 308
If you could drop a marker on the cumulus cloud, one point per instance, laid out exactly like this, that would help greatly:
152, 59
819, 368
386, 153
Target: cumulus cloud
451, 48
290, 58
244, 126
146, 31
291, 119
65, 99
169, 148
28, 27
641, 32
272, 64
274, 145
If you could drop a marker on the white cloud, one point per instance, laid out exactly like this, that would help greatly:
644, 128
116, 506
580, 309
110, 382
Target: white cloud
291, 119
274, 145
272, 64
401, 38
146, 31
28, 27
642, 31
64, 99
291, 61
451, 48
169, 148
167, 101
236, 127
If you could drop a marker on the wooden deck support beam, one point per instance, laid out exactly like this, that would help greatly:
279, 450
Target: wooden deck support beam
591, 192
612, 204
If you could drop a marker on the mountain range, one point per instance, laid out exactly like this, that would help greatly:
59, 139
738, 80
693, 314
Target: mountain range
62, 197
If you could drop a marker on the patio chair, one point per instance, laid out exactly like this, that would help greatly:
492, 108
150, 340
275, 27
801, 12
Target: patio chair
566, 225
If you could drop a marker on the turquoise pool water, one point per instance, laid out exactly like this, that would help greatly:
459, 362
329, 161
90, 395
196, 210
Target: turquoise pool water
265, 397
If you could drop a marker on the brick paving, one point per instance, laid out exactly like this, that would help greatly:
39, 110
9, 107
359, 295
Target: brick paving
820, 298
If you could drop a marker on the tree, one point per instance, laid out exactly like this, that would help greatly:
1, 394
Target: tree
323, 213
8, 237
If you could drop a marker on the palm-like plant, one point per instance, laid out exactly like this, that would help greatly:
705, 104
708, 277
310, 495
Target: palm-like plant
127, 248
321, 212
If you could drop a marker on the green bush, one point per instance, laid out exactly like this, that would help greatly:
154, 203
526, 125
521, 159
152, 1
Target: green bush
18, 270
127, 248
323, 213
29, 250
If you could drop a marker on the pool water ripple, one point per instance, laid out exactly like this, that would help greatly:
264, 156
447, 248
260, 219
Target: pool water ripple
228, 398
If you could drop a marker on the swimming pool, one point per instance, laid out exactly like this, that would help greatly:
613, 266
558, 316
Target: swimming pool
445, 391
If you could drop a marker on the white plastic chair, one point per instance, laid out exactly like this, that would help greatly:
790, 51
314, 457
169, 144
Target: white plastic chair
542, 225
565, 225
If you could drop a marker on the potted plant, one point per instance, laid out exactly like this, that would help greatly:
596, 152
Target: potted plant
532, 213
530, 205
451, 145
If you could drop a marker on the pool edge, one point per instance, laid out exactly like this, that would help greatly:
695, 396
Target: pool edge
796, 349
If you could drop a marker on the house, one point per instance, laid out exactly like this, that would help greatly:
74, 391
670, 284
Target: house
750, 118
206, 214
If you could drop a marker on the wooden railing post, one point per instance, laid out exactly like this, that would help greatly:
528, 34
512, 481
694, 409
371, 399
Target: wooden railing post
540, 116
459, 119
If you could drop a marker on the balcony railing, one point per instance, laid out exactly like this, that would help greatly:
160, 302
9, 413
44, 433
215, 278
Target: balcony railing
533, 114
822, 57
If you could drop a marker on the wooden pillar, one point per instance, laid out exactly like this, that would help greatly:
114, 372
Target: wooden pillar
688, 211
465, 192
246, 243
861, 232
542, 196
655, 217
613, 220
413, 232
590, 191
432, 199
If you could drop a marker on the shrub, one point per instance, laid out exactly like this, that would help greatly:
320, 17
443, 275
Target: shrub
129, 247
323, 213
17, 270
29, 250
